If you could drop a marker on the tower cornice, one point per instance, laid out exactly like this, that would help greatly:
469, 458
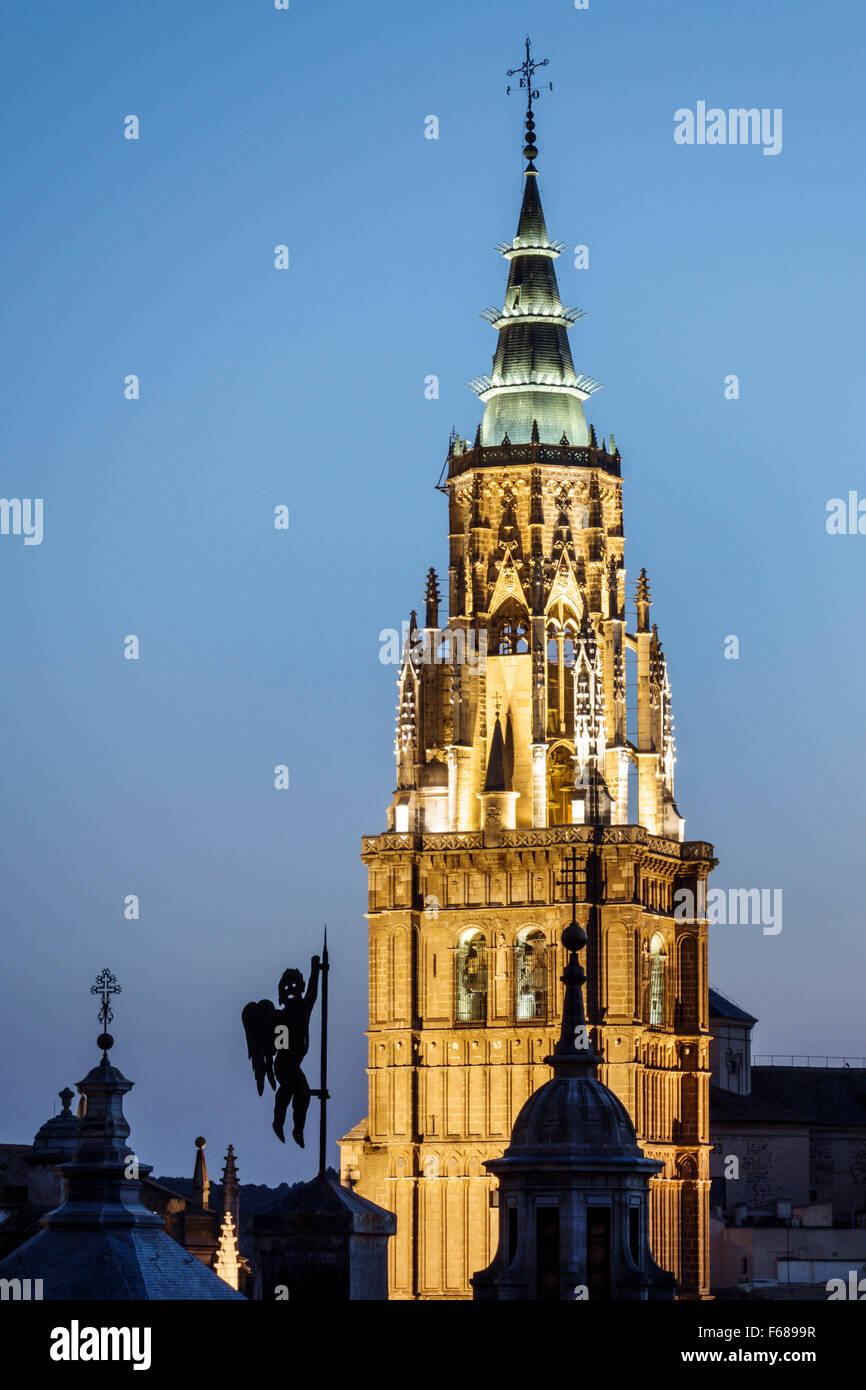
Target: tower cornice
567, 455
542, 837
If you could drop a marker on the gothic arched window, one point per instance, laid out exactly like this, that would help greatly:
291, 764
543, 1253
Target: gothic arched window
472, 978
509, 630
560, 785
531, 975
561, 634
569, 644
657, 982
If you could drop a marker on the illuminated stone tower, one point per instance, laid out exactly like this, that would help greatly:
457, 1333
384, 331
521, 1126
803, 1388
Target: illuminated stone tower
537, 718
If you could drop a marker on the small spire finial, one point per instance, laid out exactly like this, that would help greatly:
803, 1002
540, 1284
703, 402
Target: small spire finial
431, 598
200, 1179
642, 601
106, 985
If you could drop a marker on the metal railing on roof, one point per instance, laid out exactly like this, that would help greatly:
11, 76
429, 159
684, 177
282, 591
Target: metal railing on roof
791, 1059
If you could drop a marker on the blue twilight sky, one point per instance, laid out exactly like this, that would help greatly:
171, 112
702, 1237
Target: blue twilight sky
306, 387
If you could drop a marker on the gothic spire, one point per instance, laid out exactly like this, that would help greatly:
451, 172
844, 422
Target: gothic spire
642, 601
230, 1184
533, 389
495, 781
431, 598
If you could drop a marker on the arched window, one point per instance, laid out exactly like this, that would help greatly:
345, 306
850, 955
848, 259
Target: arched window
657, 982
472, 978
509, 630
561, 634
531, 975
560, 785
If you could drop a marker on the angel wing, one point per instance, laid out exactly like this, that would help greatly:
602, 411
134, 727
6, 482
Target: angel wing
259, 1020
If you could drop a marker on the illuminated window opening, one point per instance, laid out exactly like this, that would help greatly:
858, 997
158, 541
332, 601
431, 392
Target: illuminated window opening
471, 968
657, 982
531, 975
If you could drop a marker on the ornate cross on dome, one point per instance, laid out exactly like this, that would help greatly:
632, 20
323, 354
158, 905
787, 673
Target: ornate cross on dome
106, 985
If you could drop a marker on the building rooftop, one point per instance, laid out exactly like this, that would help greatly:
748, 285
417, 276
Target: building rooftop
796, 1095
722, 1007
102, 1243
14, 1170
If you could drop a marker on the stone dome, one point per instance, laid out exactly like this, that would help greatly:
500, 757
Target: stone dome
576, 1116
59, 1135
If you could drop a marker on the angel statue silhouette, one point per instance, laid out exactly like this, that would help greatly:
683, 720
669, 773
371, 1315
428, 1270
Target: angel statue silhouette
278, 1039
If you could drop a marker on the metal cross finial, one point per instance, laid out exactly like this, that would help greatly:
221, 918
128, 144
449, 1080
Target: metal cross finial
527, 70
574, 1035
569, 881
106, 985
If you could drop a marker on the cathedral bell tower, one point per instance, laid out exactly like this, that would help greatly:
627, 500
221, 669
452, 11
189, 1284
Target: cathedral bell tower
535, 720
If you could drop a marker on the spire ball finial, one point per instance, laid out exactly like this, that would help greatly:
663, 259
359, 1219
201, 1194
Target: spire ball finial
573, 937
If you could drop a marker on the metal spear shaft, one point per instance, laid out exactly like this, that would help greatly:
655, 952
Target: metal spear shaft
323, 1072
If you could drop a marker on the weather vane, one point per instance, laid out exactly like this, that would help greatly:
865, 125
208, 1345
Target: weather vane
527, 70
106, 985
278, 1039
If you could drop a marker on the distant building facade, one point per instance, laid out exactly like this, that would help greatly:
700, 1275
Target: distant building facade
788, 1193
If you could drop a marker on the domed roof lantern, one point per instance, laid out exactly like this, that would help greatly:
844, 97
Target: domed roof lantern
573, 1182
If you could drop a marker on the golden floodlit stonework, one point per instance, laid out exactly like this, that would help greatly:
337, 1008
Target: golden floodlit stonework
534, 719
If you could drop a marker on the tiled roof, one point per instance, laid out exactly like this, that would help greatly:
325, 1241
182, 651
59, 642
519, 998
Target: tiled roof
796, 1095
722, 1007
111, 1263
14, 1171
22, 1222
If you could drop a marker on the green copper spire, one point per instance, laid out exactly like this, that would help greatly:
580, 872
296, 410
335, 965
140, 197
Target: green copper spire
533, 376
